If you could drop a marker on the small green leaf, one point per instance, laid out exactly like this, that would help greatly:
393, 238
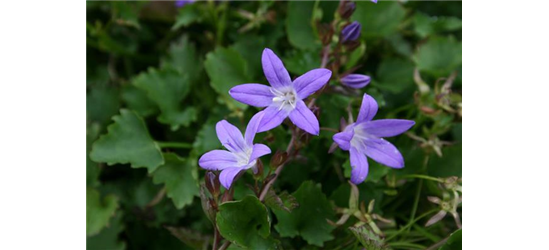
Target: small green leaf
125, 13
378, 20
189, 237
127, 141
167, 88
309, 219
187, 15
137, 100
300, 62
245, 223
298, 25
180, 179
182, 57
439, 56
426, 25
98, 211
226, 69
284, 201
454, 242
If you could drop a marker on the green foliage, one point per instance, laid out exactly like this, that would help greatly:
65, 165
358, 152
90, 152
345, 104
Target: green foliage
127, 141
454, 242
157, 83
245, 223
309, 219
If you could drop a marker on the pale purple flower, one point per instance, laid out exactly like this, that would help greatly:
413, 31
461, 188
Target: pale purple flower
182, 3
285, 97
355, 81
351, 32
242, 154
364, 138
374, 1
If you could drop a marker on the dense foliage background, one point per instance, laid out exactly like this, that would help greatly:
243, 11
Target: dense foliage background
157, 82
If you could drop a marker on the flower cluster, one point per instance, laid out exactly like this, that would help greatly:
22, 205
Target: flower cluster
283, 99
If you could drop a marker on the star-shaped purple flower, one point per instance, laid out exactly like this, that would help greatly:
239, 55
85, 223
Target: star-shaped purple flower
285, 97
242, 154
364, 138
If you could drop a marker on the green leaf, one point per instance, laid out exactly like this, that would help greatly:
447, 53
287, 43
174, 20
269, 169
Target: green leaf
300, 62
251, 48
168, 88
137, 100
180, 179
189, 237
368, 238
447, 165
395, 75
309, 219
284, 201
187, 15
378, 20
125, 13
182, 57
98, 211
206, 139
92, 169
439, 56
226, 69
102, 102
245, 223
108, 237
127, 141
426, 25
298, 25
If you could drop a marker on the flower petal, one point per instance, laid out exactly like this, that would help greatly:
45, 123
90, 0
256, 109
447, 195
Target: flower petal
437, 217
217, 160
384, 152
274, 70
273, 116
343, 139
387, 127
304, 118
258, 151
257, 95
311, 81
252, 127
230, 136
227, 176
359, 163
368, 109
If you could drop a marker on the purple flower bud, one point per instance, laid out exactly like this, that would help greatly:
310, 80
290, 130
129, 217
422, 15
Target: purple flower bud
346, 9
351, 32
182, 3
355, 81
374, 1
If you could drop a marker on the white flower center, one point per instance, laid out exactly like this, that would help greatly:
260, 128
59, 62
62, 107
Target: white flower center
285, 99
359, 137
243, 158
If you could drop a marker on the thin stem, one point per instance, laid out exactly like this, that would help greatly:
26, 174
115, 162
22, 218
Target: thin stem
174, 144
329, 129
411, 223
216, 239
225, 245
420, 176
157, 198
278, 170
418, 193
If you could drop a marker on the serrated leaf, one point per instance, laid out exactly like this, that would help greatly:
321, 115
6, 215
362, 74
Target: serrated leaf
439, 56
182, 57
180, 179
378, 20
102, 102
187, 15
168, 88
127, 141
98, 210
108, 237
137, 100
309, 219
368, 238
298, 25
226, 69
245, 223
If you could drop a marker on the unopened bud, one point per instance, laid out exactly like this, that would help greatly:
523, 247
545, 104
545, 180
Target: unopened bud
212, 183
258, 169
351, 32
355, 81
346, 9
278, 159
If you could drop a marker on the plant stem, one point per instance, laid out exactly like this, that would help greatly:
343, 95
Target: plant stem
420, 176
225, 245
157, 198
411, 223
329, 129
174, 144
278, 170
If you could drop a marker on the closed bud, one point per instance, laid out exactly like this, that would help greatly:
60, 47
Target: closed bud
350, 32
346, 9
212, 183
278, 158
352, 45
258, 169
355, 81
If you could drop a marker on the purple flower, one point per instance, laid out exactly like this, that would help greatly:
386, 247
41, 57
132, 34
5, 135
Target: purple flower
355, 81
351, 32
285, 97
242, 154
374, 1
364, 138
182, 3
